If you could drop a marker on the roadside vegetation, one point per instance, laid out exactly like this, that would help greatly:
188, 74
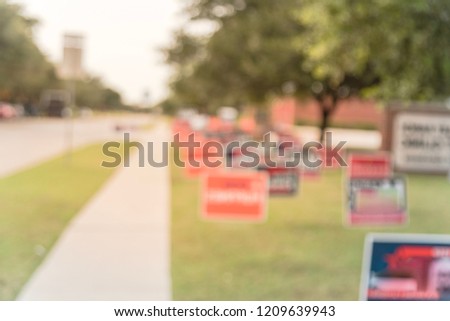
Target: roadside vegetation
36, 205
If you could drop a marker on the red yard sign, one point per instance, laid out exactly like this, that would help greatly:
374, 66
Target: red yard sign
247, 124
235, 196
202, 159
182, 128
369, 165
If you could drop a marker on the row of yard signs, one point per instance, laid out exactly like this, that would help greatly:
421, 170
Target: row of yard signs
374, 195
227, 190
401, 266
395, 266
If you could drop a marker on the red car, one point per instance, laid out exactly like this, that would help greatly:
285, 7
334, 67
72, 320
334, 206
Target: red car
7, 111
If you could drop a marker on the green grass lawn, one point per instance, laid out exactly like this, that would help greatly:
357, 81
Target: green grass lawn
36, 205
302, 252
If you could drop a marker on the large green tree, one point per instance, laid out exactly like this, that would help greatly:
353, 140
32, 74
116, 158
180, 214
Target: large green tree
244, 61
325, 49
24, 70
404, 45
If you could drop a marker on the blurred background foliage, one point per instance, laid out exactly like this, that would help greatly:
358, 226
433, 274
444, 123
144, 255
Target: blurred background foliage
24, 70
260, 50
325, 49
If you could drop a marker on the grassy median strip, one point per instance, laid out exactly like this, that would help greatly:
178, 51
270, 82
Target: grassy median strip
35, 207
303, 252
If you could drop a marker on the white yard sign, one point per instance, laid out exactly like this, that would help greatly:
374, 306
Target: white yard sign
421, 142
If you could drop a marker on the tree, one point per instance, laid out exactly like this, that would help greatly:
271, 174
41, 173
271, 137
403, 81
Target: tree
92, 92
386, 49
111, 98
244, 61
325, 49
24, 70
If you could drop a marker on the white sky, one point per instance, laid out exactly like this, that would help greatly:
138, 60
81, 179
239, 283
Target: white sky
122, 38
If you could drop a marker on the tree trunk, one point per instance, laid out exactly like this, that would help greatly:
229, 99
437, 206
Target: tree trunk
326, 113
327, 107
262, 118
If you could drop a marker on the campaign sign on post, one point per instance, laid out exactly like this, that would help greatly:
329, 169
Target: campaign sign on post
377, 201
235, 196
369, 165
406, 267
282, 181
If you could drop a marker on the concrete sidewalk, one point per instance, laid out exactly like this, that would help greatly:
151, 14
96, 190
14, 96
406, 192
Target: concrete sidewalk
118, 247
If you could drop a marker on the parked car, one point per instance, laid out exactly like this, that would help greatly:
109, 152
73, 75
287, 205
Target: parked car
55, 103
7, 111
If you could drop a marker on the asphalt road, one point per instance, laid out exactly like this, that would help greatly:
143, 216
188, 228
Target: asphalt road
29, 141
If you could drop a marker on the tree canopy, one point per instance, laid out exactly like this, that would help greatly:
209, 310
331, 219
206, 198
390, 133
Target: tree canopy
244, 61
24, 70
324, 49
404, 44
92, 92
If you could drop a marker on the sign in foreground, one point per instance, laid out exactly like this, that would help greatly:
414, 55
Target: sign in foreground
406, 267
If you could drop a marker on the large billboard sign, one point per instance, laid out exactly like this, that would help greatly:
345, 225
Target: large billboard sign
406, 267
